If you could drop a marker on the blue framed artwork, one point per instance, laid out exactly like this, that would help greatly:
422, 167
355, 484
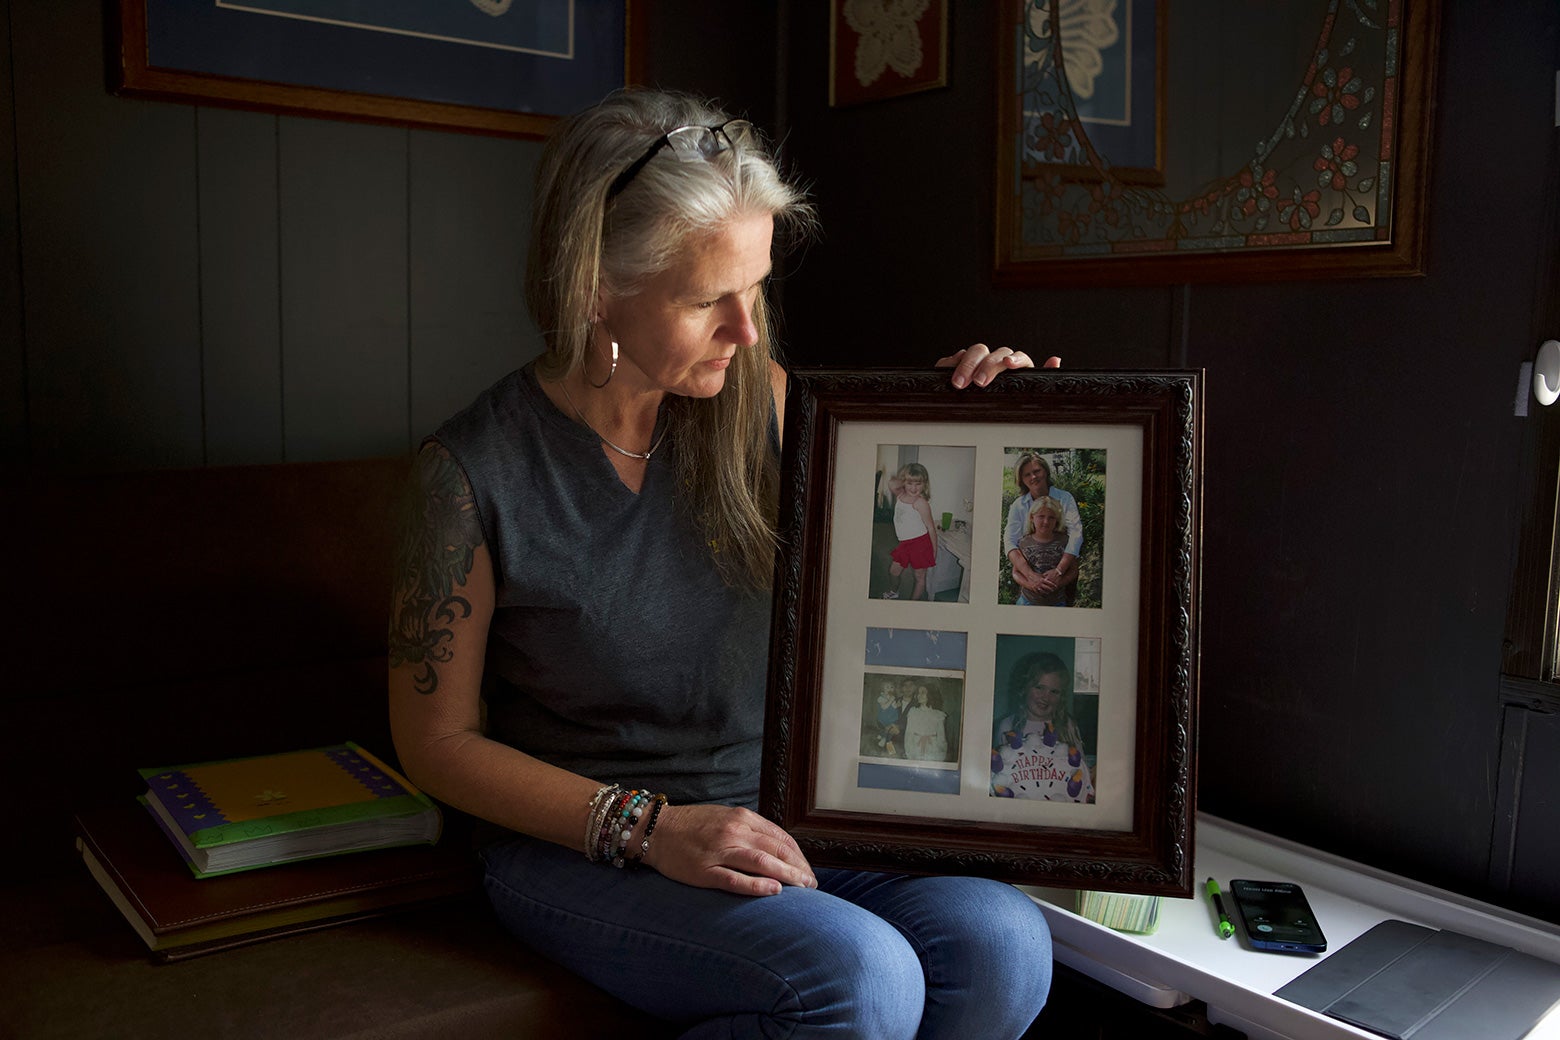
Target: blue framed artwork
487, 66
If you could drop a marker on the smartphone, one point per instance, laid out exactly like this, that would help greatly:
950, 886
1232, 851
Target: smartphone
1276, 916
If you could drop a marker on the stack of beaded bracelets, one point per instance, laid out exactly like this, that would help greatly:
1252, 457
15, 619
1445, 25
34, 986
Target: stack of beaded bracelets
609, 826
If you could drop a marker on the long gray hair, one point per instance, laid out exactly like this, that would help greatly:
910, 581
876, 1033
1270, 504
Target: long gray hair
583, 243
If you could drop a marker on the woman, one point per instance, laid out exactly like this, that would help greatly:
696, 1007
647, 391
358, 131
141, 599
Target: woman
586, 557
1044, 545
1038, 751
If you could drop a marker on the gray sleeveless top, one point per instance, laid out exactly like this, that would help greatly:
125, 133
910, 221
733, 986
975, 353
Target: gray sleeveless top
616, 651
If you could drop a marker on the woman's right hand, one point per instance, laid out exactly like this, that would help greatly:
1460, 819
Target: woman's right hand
729, 848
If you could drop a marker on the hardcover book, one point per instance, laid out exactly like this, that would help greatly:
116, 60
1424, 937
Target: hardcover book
178, 916
239, 814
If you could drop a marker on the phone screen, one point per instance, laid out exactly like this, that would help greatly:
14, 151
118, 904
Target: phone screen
1276, 916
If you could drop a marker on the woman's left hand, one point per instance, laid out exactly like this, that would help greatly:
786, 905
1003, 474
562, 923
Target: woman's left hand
979, 364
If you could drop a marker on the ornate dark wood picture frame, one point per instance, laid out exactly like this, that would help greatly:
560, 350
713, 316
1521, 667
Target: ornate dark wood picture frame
902, 729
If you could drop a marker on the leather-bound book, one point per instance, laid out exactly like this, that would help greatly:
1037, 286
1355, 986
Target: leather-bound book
179, 915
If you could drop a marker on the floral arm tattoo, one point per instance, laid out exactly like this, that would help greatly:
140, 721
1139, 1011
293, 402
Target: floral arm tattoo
438, 541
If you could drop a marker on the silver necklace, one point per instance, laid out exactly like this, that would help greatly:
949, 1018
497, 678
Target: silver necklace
643, 456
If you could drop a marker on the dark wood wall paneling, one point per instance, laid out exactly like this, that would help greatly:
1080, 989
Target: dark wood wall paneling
240, 290
1356, 648
905, 191
1525, 846
197, 285
343, 193
13, 359
109, 257
1362, 454
1533, 881
719, 50
467, 194
205, 286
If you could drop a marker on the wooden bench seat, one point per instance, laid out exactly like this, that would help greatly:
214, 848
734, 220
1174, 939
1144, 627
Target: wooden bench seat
179, 616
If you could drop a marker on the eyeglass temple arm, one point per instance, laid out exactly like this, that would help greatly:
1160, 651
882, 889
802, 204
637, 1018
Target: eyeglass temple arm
621, 180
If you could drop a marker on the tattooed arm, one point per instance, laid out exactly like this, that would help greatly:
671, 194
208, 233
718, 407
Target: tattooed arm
441, 606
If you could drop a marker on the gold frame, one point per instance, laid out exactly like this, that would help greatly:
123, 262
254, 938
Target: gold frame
133, 76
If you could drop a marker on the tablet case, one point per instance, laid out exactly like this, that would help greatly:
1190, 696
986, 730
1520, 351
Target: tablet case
1407, 982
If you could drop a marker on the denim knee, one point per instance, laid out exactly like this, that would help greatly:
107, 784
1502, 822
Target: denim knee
802, 964
988, 961
864, 980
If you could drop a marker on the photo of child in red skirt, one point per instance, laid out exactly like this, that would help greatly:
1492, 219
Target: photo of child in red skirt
911, 488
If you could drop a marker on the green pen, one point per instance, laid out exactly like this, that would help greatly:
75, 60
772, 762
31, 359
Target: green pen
1226, 928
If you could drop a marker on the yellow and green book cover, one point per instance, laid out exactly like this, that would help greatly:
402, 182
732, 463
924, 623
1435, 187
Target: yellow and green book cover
239, 814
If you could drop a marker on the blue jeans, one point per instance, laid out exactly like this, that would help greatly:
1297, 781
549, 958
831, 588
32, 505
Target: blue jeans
864, 955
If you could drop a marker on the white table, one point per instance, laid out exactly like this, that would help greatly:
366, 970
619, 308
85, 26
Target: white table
1185, 959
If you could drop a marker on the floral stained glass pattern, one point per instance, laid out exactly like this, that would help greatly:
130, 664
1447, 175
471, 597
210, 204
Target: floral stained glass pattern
1321, 174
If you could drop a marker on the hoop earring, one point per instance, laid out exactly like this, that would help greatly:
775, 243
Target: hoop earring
610, 372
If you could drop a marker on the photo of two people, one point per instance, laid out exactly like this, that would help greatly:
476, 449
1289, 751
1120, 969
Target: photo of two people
908, 719
912, 710
1053, 502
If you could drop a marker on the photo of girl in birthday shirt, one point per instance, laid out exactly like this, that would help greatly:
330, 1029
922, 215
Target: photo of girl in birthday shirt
1038, 750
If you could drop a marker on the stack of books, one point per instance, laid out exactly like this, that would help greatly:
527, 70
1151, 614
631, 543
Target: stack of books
183, 867
244, 813
1121, 911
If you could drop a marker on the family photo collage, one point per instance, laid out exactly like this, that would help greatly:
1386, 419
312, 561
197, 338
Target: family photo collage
981, 623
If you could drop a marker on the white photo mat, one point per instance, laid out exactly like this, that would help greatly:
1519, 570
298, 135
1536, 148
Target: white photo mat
850, 613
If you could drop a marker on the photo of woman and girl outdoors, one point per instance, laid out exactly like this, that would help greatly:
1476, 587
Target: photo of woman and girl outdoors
1053, 500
